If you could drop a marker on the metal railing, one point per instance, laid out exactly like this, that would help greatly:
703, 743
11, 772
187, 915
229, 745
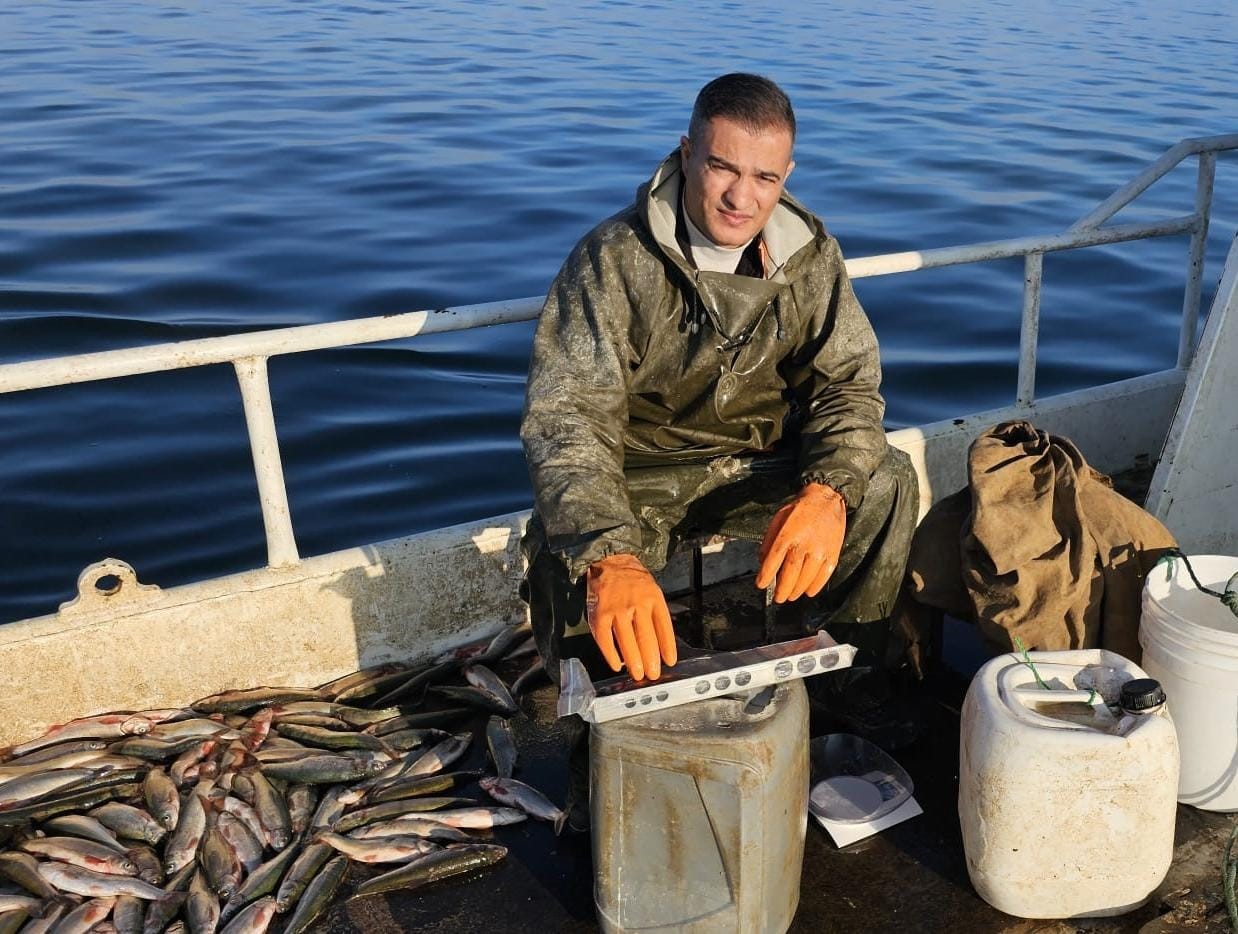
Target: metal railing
248, 353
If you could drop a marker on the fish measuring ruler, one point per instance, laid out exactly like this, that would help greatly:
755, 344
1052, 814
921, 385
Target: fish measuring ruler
699, 678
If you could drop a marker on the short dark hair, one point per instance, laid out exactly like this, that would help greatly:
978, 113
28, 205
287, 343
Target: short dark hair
752, 101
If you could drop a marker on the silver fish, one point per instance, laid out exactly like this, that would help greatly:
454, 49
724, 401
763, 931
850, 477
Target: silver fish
502, 745
380, 849
515, 793
80, 881
85, 916
478, 818
253, 920
85, 853
439, 757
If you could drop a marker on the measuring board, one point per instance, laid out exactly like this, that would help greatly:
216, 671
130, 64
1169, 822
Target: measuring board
697, 678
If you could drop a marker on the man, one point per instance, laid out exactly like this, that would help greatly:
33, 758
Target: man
702, 366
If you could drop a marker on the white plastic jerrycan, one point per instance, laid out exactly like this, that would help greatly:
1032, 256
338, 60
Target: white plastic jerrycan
1068, 780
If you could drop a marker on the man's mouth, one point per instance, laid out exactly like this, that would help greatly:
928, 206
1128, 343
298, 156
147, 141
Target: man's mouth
734, 218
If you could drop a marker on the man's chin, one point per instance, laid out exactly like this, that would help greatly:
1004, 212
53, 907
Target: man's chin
729, 238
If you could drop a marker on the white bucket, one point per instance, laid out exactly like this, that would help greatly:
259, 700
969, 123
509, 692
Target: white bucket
1190, 645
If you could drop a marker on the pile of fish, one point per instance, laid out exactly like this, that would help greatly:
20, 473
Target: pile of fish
248, 806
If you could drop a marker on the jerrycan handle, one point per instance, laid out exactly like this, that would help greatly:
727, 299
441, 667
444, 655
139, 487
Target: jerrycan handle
1037, 695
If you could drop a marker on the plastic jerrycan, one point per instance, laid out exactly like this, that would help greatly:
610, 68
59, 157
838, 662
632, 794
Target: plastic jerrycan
1067, 804
699, 814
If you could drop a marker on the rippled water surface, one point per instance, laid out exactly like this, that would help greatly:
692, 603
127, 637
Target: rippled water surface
179, 170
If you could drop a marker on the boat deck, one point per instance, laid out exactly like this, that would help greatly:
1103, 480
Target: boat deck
910, 877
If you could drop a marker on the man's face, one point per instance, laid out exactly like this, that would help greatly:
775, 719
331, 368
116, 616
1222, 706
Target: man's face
733, 179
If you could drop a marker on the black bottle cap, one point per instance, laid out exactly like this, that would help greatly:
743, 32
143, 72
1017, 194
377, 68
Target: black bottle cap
1141, 694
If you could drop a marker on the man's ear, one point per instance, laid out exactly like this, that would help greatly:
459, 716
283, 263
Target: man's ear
685, 149
790, 169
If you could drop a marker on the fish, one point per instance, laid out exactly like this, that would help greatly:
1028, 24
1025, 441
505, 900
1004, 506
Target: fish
247, 847
302, 800
433, 867
521, 649
162, 799
317, 895
156, 750
412, 826
406, 740
477, 697
127, 821
162, 910
417, 785
27, 789
128, 914
198, 727
190, 758
105, 726
246, 814
85, 916
376, 685
252, 698
515, 793
23, 903
253, 920
486, 680
331, 805
324, 769
80, 881
23, 869
55, 757
272, 810
76, 801
183, 844
51, 917
305, 868
88, 828
502, 745
352, 679
202, 906
505, 641
440, 756
476, 818
78, 852
391, 809
258, 728
330, 739
150, 866
261, 881
416, 684
425, 719
378, 849
321, 720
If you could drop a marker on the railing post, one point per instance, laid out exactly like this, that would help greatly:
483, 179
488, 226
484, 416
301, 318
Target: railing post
1195, 261
251, 374
1033, 268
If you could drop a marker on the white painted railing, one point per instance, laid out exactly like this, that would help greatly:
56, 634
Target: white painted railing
248, 353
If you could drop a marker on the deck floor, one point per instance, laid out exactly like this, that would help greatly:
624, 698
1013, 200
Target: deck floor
911, 877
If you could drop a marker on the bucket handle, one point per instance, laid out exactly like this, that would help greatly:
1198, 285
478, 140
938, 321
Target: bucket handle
1229, 597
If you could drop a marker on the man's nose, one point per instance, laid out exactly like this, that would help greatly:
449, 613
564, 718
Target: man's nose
740, 193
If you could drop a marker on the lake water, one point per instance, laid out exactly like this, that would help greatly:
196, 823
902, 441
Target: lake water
178, 170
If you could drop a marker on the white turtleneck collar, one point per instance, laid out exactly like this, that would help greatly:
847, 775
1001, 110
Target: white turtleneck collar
707, 255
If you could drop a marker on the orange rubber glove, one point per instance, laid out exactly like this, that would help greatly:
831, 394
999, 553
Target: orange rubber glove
803, 542
626, 604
